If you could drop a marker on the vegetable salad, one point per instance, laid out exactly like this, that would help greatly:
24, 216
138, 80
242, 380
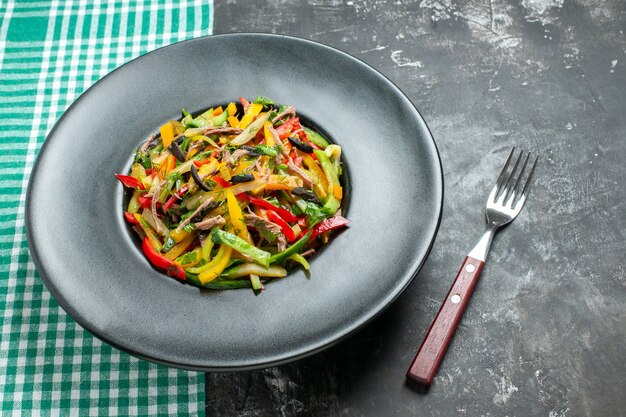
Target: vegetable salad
235, 196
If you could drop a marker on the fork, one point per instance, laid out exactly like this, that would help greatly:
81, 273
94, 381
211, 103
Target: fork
504, 204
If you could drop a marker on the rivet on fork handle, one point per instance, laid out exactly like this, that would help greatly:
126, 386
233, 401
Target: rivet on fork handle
433, 348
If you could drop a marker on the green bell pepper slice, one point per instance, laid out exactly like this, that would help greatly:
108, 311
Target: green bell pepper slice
220, 119
295, 248
219, 284
315, 137
259, 256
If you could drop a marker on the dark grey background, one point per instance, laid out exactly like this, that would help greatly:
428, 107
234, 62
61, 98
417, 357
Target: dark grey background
545, 332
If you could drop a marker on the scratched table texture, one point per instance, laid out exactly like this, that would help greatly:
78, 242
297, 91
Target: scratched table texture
545, 331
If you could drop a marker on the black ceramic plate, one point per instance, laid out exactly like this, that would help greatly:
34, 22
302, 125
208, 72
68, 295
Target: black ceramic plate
94, 267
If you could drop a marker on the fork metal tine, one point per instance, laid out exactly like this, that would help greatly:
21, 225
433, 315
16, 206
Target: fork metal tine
521, 174
500, 179
522, 197
515, 191
530, 176
507, 189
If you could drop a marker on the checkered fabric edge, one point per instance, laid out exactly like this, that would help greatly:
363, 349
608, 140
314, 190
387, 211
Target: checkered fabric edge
50, 52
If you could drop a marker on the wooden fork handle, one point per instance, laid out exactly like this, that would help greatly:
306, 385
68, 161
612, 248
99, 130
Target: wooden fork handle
433, 348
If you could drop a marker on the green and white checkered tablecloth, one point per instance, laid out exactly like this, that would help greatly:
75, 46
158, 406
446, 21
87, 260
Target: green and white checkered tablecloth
50, 52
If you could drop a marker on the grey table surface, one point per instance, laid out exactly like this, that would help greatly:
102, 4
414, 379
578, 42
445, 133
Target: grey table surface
545, 331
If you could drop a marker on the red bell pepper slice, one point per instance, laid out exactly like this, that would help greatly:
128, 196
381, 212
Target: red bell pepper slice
286, 215
303, 137
200, 163
181, 191
162, 262
293, 125
149, 171
287, 231
130, 182
170, 203
221, 181
289, 126
245, 103
176, 196
146, 202
325, 225
130, 218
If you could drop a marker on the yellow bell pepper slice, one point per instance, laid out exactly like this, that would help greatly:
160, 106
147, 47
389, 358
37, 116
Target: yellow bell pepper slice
245, 120
205, 255
337, 191
214, 268
198, 253
168, 164
334, 188
150, 234
179, 128
320, 180
242, 166
225, 173
220, 210
236, 216
208, 168
137, 171
178, 234
167, 134
147, 181
171, 163
233, 121
205, 252
180, 247
255, 109
283, 182
191, 153
231, 109
269, 139
133, 204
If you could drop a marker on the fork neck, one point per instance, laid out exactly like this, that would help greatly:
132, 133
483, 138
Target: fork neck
482, 247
